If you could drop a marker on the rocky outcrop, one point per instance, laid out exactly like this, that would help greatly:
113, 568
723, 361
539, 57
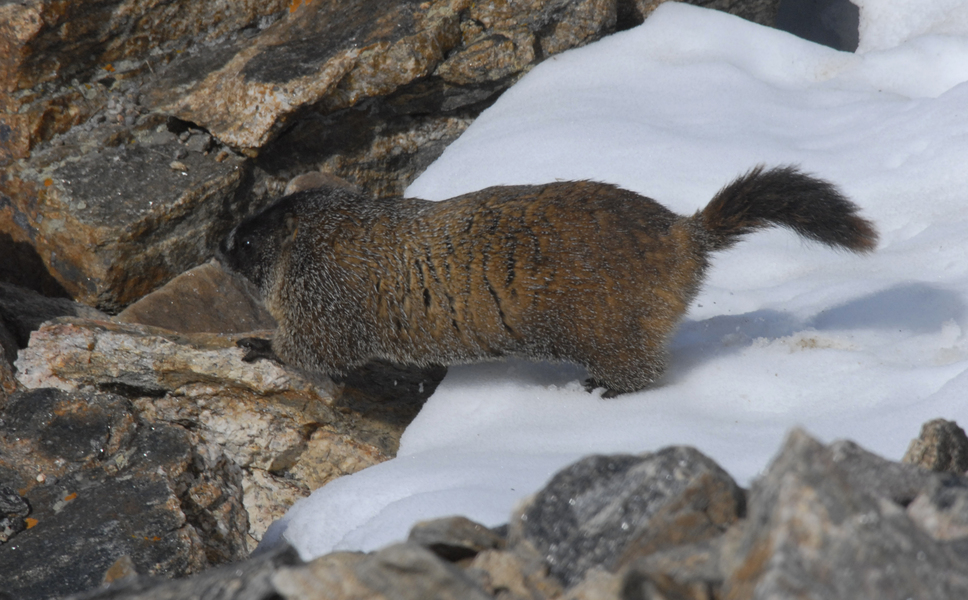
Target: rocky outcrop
125, 168
115, 417
104, 485
822, 522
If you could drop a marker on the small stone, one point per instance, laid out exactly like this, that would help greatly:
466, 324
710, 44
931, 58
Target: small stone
199, 142
178, 165
941, 446
455, 538
123, 568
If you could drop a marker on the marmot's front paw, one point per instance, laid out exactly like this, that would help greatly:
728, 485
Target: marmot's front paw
257, 349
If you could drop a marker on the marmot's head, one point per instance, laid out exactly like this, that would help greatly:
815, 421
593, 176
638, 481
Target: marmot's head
252, 249
256, 246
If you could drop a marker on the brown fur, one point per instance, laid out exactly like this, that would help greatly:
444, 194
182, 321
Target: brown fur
578, 271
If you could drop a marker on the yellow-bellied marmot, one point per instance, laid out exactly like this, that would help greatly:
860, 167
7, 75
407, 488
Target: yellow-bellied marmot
575, 271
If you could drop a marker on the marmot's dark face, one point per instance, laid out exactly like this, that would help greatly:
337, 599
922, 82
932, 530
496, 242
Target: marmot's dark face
253, 247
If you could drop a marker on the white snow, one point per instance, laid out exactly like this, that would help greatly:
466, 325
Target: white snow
784, 333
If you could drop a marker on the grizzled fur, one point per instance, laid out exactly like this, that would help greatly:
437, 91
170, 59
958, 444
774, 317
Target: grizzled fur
577, 271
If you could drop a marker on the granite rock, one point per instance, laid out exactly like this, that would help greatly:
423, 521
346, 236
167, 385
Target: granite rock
604, 510
61, 62
941, 446
206, 299
288, 431
101, 485
825, 522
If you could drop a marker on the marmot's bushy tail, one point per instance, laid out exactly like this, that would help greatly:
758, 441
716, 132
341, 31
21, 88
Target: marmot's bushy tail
784, 196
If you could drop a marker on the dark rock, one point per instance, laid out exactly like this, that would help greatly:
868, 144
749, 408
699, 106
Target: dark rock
250, 580
605, 510
22, 311
817, 527
62, 63
13, 509
23, 266
204, 299
102, 485
455, 538
941, 446
110, 218
833, 23
398, 572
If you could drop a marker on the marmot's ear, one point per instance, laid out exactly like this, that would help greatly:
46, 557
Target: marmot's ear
292, 226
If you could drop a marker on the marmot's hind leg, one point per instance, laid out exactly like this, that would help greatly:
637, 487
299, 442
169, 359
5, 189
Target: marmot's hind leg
627, 373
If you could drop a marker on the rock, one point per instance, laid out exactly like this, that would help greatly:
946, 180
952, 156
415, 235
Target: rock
513, 575
111, 220
289, 432
13, 510
597, 585
102, 485
398, 572
690, 571
204, 299
230, 582
942, 446
249, 98
817, 528
455, 538
22, 311
368, 49
941, 509
61, 64
23, 266
833, 23
823, 522
605, 510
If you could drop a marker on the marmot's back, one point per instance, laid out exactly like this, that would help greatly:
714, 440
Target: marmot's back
578, 271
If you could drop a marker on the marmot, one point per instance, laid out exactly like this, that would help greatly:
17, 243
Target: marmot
573, 271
